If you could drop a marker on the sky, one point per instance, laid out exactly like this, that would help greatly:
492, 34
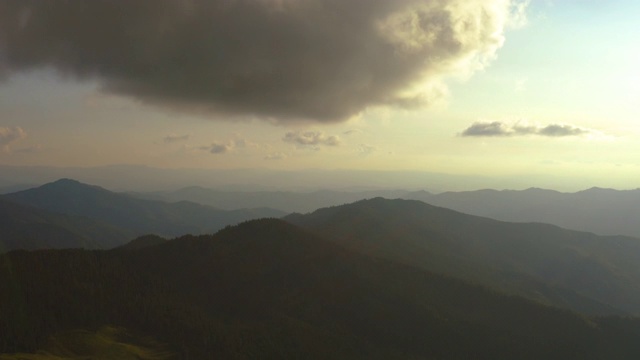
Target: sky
545, 90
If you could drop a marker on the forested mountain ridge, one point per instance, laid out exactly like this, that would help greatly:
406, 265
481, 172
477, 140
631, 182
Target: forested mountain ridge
26, 227
138, 216
268, 289
561, 267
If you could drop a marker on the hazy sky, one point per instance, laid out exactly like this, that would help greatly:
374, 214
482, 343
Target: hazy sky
547, 89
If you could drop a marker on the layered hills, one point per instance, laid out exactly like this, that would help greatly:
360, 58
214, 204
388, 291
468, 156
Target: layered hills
269, 289
597, 210
26, 227
578, 270
134, 215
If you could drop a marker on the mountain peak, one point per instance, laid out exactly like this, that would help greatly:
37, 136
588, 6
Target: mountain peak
67, 184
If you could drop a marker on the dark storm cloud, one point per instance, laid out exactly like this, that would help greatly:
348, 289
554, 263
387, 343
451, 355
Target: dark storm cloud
497, 129
281, 60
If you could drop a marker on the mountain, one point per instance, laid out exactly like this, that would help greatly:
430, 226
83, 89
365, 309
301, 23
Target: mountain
597, 210
567, 268
29, 228
288, 201
268, 289
138, 216
142, 242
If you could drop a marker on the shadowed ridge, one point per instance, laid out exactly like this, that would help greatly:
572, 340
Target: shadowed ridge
142, 242
543, 262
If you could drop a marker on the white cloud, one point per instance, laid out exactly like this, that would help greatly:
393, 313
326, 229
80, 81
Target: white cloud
9, 136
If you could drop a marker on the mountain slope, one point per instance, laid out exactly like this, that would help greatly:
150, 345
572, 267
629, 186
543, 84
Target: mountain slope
271, 290
108, 343
535, 260
29, 228
601, 211
139, 216
288, 201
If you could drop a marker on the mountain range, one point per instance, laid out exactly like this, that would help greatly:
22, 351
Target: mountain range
557, 266
26, 227
601, 211
269, 289
376, 279
138, 216
597, 210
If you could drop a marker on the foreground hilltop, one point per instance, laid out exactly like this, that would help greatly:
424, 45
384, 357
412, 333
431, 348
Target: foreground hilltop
272, 289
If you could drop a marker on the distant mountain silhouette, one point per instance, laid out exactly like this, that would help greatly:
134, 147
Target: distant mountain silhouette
597, 210
566, 268
287, 201
268, 289
29, 228
139, 216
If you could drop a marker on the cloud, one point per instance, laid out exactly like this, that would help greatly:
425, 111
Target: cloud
500, 129
29, 149
365, 149
352, 132
218, 148
311, 138
230, 145
171, 139
9, 136
279, 60
276, 156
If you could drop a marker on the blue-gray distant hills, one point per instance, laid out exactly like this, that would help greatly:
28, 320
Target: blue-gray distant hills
578, 270
135, 216
601, 211
29, 228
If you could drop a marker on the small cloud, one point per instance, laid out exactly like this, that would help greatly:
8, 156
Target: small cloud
365, 149
29, 149
171, 139
500, 129
352, 132
494, 128
276, 156
217, 148
9, 136
555, 130
311, 139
